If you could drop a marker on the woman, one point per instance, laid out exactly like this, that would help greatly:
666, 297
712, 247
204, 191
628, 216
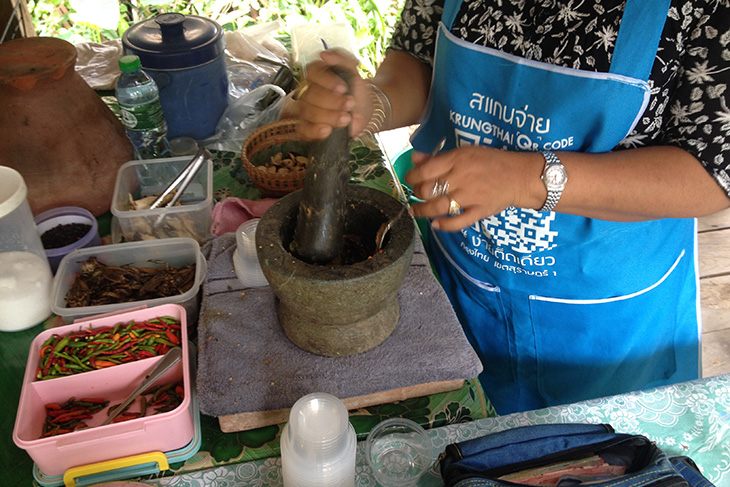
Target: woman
581, 142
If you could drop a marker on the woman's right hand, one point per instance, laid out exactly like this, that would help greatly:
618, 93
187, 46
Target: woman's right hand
324, 100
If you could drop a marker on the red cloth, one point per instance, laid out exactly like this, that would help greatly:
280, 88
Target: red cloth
231, 212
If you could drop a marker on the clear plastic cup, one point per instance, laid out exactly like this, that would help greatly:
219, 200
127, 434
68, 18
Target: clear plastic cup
318, 444
245, 259
25, 278
399, 451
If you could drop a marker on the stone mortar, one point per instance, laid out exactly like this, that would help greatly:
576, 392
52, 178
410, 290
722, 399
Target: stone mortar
338, 310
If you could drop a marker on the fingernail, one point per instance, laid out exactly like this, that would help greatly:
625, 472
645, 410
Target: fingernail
349, 104
340, 88
344, 119
435, 224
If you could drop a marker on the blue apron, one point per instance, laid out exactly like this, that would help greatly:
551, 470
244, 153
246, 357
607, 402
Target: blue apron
559, 307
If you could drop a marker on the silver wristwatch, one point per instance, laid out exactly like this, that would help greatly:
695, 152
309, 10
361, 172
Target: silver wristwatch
555, 177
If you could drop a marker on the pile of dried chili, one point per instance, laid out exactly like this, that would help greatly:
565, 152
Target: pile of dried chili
98, 348
100, 284
70, 416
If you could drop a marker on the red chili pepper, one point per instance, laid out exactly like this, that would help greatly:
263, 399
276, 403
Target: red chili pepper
48, 364
100, 364
171, 336
53, 405
93, 399
179, 390
78, 414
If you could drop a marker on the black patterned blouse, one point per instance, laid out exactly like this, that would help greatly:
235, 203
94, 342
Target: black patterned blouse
690, 78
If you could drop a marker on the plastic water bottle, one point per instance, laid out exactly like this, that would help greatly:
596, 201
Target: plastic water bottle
142, 116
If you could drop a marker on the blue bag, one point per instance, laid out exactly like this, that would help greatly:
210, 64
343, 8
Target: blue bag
570, 454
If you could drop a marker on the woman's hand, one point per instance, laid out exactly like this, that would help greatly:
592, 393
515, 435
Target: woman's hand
482, 180
325, 101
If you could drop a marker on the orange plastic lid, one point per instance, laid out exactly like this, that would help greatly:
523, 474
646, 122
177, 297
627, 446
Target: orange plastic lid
25, 61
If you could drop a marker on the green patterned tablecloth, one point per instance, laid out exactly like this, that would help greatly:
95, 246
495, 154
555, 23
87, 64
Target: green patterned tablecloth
691, 418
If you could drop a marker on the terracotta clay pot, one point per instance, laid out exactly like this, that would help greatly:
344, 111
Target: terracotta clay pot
56, 130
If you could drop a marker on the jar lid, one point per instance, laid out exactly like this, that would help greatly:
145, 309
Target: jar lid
174, 41
26, 61
13, 190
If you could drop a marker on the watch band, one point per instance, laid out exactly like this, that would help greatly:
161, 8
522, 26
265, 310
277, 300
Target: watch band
554, 191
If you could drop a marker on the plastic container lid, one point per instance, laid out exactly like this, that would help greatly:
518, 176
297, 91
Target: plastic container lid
13, 190
174, 41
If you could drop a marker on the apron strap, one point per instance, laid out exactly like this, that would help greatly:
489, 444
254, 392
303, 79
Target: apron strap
638, 37
451, 10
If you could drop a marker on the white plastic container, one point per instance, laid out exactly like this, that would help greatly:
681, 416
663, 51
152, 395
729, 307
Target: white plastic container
318, 444
175, 252
98, 443
25, 274
245, 258
139, 179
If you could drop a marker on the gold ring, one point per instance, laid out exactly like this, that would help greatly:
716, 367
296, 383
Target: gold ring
300, 90
439, 189
454, 208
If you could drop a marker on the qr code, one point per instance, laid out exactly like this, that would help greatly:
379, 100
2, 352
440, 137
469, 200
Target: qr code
521, 230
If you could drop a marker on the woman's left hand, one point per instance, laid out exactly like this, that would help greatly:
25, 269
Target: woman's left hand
482, 181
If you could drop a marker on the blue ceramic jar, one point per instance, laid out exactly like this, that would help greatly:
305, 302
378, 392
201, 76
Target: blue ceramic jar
185, 55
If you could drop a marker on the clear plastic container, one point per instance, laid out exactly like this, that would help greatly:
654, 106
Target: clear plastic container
138, 179
25, 279
175, 252
399, 451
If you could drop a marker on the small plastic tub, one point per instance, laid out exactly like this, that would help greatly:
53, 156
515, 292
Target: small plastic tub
175, 252
99, 443
399, 451
67, 215
148, 178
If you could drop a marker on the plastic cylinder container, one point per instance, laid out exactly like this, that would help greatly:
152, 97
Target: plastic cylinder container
25, 276
318, 444
66, 215
185, 55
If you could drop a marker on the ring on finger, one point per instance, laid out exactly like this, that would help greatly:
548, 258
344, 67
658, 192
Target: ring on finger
300, 90
439, 189
454, 207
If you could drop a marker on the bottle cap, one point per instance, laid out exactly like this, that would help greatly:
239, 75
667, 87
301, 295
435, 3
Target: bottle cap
129, 63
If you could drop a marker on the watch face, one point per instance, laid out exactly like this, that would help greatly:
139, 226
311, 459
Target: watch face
555, 176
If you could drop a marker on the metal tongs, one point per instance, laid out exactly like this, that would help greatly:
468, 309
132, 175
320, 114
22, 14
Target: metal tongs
183, 179
168, 360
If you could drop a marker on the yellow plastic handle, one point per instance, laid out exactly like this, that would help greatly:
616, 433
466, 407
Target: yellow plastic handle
69, 478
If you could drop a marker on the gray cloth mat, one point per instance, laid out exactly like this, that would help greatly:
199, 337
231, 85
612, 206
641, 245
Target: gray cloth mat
247, 364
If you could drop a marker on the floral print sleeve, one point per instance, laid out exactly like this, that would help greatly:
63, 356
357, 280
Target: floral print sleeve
690, 77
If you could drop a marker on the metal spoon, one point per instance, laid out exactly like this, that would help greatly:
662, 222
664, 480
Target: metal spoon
168, 360
385, 227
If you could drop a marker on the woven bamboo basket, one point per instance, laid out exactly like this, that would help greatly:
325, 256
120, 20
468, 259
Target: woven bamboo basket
274, 185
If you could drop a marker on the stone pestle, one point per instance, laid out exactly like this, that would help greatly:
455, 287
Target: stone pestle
318, 238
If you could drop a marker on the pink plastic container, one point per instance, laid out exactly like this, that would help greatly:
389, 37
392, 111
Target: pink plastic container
161, 432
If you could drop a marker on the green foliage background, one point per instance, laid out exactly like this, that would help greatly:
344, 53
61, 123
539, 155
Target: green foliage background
75, 20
